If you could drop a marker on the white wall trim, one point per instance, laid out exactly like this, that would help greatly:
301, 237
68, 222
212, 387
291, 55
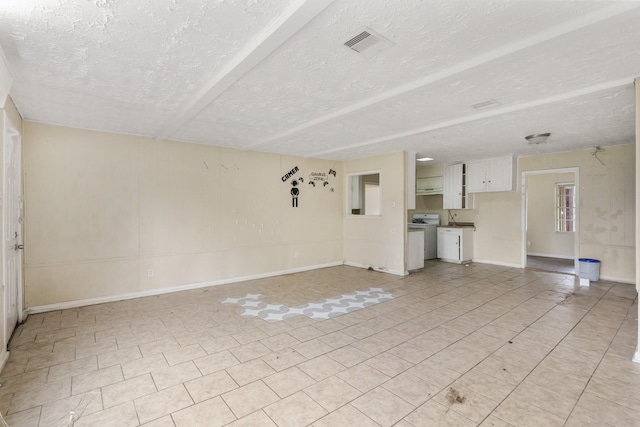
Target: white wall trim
550, 255
636, 355
379, 269
503, 264
177, 288
4, 358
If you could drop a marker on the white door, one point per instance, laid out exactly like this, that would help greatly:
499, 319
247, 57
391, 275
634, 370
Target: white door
12, 230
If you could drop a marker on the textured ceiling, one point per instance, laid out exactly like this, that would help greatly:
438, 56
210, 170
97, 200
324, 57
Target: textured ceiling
273, 75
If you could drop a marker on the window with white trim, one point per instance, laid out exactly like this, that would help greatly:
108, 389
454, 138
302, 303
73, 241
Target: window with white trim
565, 207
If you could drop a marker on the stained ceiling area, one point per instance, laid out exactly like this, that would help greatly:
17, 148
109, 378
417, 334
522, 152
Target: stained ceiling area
449, 79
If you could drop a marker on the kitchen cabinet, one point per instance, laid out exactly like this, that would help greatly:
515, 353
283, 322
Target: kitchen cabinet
490, 175
428, 186
455, 244
415, 258
454, 188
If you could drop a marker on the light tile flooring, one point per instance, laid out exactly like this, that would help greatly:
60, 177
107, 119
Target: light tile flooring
477, 345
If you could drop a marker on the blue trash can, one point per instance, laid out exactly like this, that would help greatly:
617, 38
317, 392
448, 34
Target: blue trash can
589, 269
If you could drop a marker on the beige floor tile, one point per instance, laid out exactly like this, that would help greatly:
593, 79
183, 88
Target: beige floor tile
174, 375
162, 403
160, 346
313, 348
321, 367
249, 372
69, 369
606, 411
249, 398
542, 397
128, 354
184, 354
256, 419
26, 418
216, 362
411, 388
382, 406
216, 345
492, 421
165, 421
247, 352
522, 413
348, 356
389, 364
363, 377
144, 366
123, 415
433, 414
284, 359
209, 413
46, 360
337, 339
306, 333
346, 416
280, 342
127, 390
209, 386
332, 393
410, 352
295, 410
289, 381
38, 396
466, 402
93, 380
249, 336
57, 413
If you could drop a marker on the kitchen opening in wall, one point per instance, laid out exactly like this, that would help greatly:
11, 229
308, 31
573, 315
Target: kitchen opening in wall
364, 194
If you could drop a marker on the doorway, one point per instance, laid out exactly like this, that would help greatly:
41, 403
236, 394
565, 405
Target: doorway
12, 228
550, 220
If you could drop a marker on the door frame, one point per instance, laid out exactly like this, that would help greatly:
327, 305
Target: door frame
576, 235
10, 131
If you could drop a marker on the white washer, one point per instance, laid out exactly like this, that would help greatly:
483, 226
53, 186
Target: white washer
429, 223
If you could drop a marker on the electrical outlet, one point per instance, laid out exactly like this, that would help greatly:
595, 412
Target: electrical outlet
150, 272
296, 254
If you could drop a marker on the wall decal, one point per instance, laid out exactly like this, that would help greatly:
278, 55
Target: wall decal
289, 174
295, 192
332, 172
312, 183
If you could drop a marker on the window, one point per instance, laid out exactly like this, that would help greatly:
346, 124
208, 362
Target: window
565, 207
364, 194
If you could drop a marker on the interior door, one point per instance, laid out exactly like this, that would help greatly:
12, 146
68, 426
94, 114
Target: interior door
12, 229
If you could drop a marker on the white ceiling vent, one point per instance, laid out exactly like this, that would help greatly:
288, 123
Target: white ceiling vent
368, 42
486, 104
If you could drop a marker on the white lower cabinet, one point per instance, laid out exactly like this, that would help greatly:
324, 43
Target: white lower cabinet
455, 244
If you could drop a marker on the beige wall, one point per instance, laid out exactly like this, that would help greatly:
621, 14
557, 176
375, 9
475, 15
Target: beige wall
103, 209
379, 242
606, 212
542, 238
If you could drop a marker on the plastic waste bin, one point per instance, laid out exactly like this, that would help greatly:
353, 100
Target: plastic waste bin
589, 269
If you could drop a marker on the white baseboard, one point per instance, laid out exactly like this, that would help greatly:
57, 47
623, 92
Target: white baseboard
381, 270
4, 357
551, 256
120, 297
636, 356
502, 264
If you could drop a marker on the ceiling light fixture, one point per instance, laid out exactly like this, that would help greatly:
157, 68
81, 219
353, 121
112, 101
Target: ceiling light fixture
424, 159
537, 138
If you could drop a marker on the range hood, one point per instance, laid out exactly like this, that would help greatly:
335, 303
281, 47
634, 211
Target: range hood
429, 186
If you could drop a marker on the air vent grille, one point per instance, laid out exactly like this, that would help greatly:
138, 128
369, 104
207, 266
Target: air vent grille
486, 104
365, 41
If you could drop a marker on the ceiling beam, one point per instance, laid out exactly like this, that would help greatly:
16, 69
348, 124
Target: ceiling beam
464, 66
298, 14
6, 79
619, 83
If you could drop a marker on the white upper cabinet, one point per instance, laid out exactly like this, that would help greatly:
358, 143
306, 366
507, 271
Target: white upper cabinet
491, 175
455, 195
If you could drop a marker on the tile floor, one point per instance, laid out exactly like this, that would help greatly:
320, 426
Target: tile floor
477, 345
557, 265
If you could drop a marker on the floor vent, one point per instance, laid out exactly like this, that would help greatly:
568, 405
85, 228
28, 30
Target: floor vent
368, 42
